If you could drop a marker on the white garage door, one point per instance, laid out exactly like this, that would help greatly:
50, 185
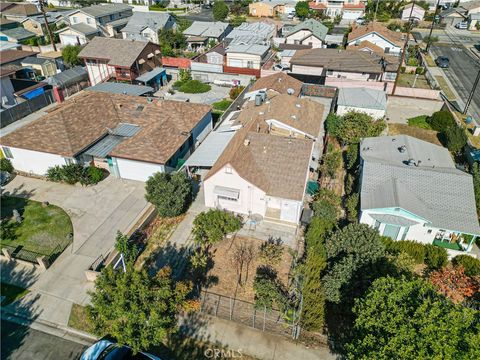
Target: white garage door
68, 39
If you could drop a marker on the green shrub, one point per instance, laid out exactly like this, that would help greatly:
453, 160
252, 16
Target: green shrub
331, 162
351, 204
73, 173
222, 104
54, 173
456, 139
352, 156
402, 69
435, 257
441, 120
6, 165
470, 264
420, 70
327, 205
235, 91
194, 87
95, 174
414, 249
420, 122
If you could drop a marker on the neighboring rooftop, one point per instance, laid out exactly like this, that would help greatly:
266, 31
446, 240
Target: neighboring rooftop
18, 33
206, 29
394, 37
69, 77
260, 31
121, 88
253, 49
419, 177
33, 60
104, 9
362, 98
279, 82
8, 56
81, 28
151, 20
19, 9
119, 52
344, 60
79, 122
316, 27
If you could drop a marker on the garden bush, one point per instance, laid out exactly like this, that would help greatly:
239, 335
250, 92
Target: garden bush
414, 249
194, 87
470, 264
441, 121
420, 122
222, 104
6, 165
435, 257
234, 92
351, 204
95, 174
73, 173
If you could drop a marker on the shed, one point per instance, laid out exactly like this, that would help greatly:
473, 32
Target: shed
370, 101
154, 78
69, 77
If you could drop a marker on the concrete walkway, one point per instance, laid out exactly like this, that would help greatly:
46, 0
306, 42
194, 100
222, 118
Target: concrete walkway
97, 213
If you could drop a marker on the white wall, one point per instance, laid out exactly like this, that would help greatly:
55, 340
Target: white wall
34, 161
241, 60
251, 199
375, 113
137, 170
67, 38
307, 70
379, 41
303, 35
351, 14
98, 71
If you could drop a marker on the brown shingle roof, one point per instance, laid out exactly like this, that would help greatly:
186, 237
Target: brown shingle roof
279, 82
82, 120
8, 56
344, 60
119, 52
20, 9
276, 164
392, 36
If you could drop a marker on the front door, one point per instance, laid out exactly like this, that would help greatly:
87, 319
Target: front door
391, 231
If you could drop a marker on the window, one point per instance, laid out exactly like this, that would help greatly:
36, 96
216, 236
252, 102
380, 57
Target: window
329, 72
376, 226
69, 161
387, 50
404, 235
222, 197
250, 64
89, 21
228, 170
7, 152
429, 231
74, 19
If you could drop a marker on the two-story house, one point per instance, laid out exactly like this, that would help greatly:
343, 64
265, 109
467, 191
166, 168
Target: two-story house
350, 10
145, 26
310, 33
122, 60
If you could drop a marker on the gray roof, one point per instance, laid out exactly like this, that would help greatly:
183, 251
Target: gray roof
126, 130
206, 29
118, 22
152, 20
393, 219
18, 33
150, 75
104, 9
69, 77
210, 149
34, 60
248, 49
316, 28
122, 88
362, 98
261, 30
433, 189
81, 28
106, 145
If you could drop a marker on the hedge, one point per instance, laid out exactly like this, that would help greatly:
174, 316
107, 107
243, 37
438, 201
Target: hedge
6, 165
73, 173
441, 120
433, 256
470, 264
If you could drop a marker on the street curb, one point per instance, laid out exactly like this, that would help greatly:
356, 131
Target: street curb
48, 327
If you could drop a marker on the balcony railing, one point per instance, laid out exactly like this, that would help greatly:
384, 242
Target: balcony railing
448, 245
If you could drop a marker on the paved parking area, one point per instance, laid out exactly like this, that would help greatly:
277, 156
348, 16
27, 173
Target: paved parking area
400, 109
217, 93
97, 213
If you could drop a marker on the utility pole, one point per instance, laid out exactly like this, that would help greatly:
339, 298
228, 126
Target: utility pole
376, 9
470, 97
402, 57
43, 3
431, 27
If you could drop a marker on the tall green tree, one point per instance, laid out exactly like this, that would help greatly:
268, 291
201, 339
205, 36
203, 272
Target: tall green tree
353, 255
134, 308
455, 139
401, 319
220, 10
171, 193
171, 41
210, 227
353, 126
302, 9
70, 55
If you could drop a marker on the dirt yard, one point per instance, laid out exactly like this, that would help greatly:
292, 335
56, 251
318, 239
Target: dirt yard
224, 268
422, 134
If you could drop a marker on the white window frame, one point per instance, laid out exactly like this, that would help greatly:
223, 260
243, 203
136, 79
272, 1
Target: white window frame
7, 152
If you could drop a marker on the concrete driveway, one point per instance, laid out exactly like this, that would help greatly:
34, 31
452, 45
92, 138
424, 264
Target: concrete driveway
400, 109
97, 213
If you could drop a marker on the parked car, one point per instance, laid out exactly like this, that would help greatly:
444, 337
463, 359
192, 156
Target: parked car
107, 350
291, 16
360, 21
477, 46
442, 61
4, 177
462, 25
281, 67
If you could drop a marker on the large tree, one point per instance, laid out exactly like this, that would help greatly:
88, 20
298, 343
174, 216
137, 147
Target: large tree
171, 41
220, 10
353, 255
210, 227
171, 193
400, 319
302, 9
70, 55
353, 126
134, 308
456, 139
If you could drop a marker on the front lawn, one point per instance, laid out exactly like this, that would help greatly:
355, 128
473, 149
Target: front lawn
191, 86
407, 80
79, 319
445, 88
11, 293
42, 229
419, 122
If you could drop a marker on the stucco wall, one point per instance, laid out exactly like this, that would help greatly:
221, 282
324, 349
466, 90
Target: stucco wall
241, 60
375, 113
98, 71
34, 162
137, 170
307, 70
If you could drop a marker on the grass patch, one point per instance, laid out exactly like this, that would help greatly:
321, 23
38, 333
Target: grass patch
191, 86
422, 134
420, 122
42, 229
430, 62
158, 232
222, 104
445, 88
11, 293
407, 80
79, 319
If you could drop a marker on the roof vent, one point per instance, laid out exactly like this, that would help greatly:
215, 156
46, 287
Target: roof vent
411, 162
298, 106
139, 107
294, 117
402, 149
246, 142
290, 91
149, 99
261, 113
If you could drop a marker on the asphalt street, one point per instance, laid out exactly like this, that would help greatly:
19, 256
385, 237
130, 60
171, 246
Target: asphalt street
464, 67
23, 343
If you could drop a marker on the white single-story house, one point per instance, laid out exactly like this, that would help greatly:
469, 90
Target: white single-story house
265, 168
411, 190
417, 14
370, 101
391, 42
132, 137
